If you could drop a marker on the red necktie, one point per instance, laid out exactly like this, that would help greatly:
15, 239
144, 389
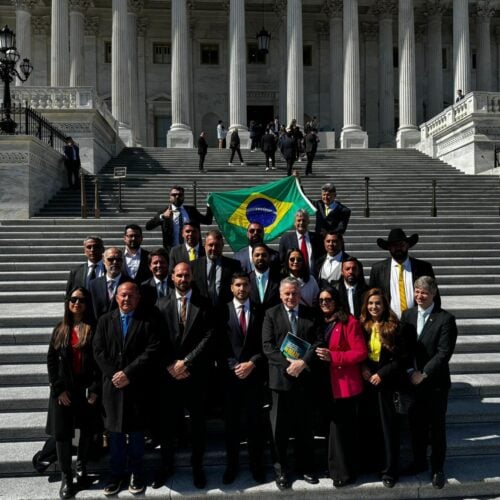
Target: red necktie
243, 321
303, 250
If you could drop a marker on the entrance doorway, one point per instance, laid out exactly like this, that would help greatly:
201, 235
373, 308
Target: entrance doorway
260, 114
162, 125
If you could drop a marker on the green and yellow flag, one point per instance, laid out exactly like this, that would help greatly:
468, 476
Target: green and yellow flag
273, 205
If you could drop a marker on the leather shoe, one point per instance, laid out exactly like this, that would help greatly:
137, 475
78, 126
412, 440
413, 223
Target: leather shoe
388, 482
282, 482
161, 477
413, 469
340, 483
310, 477
438, 480
229, 474
137, 484
259, 475
199, 478
67, 489
113, 486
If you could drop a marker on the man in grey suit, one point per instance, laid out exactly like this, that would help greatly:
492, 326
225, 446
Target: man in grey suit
255, 234
93, 248
437, 336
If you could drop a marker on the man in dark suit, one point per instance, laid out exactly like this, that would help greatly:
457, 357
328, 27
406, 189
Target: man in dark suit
331, 215
328, 267
191, 249
289, 150
307, 242
93, 247
352, 286
171, 219
264, 279
136, 259
185, 361
243, 366
156, 287
255, 234
126, 345
103, 289
289, 381
311, 141
437, 335
202, 150
72, 162
269, 145
212, 273
397, 274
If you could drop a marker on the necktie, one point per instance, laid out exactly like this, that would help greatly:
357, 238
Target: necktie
422, 316
192, 255
212, 283
111, 289
401, 286
262, 286
181, 223
243, 320
125, 323
92, 269
327, 209
303, 250
183, 310
293, 321
161, 289
351, 300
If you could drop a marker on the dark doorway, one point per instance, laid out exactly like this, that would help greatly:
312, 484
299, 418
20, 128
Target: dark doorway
260, 114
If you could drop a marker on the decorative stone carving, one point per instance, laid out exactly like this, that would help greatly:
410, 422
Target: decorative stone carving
26, 5
384, 9
79, 5
434, 8
370, 31
92, 26
142, 26
14, 157
135, 6
280, 8
484, 9
420, 31
332, 8
40, 25
322, 28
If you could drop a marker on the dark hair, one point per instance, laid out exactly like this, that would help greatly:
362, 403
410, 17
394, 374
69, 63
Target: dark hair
179, 188
134, 227
192, 223
331, 232
341, 314
261, 245
389, 323
239, 275
305, 274
158, 252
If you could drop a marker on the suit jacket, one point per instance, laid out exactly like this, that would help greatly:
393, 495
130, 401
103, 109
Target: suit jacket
149, 293
179, 253
288, 147
319, 264
435, 345
311, 141
69, 156
229, 266
336, 220
290, 240
143, 273
269, 143
202, 146
78, 277
272, 293
275, 327
243, 256
359, 293
167, 224
191, 343
380, 275
136, 356
99, 293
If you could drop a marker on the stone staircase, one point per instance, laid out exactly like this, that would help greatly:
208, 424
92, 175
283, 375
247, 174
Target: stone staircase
462, 243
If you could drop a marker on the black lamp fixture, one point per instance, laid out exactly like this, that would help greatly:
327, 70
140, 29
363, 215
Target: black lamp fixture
263, 36
9, 56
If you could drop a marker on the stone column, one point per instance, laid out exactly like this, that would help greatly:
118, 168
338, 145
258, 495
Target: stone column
142, 25
408, 134
352, 135
333, 9
91, 32
77, 9
180, 134
280, 10
23, 30
484, 13
295, 65
385, 10
40, 26
370, 66
461, 47
59, 46
435, 98
120, 89
420, 30
497, 39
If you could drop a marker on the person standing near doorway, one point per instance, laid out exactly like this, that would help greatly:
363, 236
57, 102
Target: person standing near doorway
221, 134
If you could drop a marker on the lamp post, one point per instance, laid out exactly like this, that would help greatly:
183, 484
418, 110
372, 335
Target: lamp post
9, 56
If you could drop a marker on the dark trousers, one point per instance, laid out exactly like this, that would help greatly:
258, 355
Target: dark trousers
64, 453
72, 169
309, 165
343, 442
121, 449
243, 399
202, 161
291, 415
289, 165
270, 155
233, 151
428, 419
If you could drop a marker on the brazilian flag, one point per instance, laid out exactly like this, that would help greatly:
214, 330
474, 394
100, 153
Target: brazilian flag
273, 205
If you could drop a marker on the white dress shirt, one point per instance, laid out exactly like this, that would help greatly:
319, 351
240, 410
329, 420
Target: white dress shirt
132, 262
331, 269
408, 279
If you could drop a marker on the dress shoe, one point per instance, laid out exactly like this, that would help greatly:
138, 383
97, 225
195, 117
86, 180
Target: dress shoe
388, 481
161, 476
259, 475
340, 483
438, 480
113, 486
137, 484
67, 489
199, 478
83, 481
230, 474
282, 482
413, 469
310, 477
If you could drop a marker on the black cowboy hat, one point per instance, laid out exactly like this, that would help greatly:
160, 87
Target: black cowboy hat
396, 235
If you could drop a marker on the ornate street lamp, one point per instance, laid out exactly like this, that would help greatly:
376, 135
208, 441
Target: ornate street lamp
9, 56
263, 36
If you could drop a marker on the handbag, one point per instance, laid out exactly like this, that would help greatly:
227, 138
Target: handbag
403, 401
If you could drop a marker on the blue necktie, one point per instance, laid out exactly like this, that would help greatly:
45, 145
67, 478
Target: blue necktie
125, 323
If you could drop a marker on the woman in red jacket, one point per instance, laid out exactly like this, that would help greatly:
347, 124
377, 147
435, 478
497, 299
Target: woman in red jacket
346, 349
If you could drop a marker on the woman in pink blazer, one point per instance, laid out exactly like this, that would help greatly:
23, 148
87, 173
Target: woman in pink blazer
346, 349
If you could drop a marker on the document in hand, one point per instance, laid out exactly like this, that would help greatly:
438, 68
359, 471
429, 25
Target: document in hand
294, 347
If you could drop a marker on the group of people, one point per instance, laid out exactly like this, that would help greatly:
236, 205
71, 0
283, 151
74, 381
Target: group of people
147, 336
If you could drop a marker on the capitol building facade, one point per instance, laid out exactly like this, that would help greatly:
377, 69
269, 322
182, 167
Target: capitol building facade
371, 70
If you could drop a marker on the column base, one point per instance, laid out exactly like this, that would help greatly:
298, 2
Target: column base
125, 133
353, 138
245, 141
179, 138
407, 137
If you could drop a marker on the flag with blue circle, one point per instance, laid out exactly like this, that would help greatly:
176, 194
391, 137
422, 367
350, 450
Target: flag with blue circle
273, 205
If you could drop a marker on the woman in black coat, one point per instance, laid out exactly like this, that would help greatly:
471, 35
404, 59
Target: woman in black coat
234, 145
74, 387
391, 345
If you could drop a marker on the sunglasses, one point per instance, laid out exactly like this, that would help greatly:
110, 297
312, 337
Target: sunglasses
325, 301
252, 231
295, 259
74, 300
114, 259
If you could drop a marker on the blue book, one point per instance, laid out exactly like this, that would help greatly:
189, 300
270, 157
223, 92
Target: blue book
294, 347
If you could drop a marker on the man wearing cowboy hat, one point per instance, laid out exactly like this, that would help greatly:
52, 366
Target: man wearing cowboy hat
396, 275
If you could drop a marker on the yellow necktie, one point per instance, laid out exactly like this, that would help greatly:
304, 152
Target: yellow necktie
402, 293
192, 255
327, 209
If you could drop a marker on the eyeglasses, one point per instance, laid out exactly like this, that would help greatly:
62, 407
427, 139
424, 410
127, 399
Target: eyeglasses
252, 231
325, 301
114, 259
295, 259
74, 300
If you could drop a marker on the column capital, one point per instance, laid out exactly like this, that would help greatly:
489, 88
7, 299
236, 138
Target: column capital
225, 6
40, 25
279, 8
484, 10
79, 5
420, 31
26, 5
92, 26
384, 9
142, 25
135, 6
333, 8
369, 31
322, 28
434, 8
